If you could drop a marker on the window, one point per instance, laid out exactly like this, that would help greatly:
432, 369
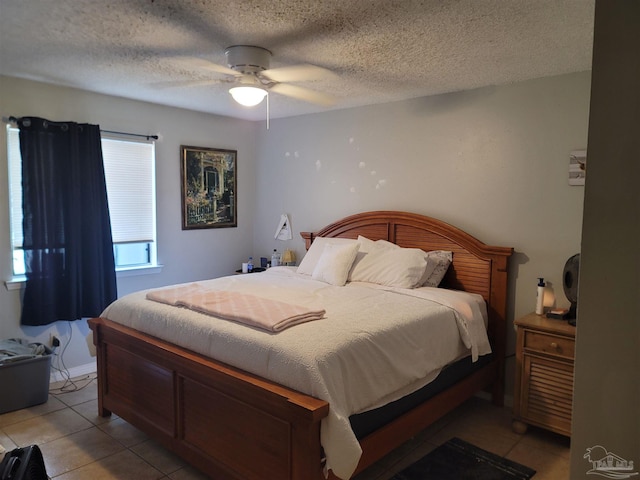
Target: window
130, 176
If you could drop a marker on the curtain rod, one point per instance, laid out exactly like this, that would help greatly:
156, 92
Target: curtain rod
14, 120
148, 137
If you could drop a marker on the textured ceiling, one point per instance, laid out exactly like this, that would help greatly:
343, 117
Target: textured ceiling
381, 51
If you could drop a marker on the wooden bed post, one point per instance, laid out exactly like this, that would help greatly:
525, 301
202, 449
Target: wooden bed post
101, 368
498, 334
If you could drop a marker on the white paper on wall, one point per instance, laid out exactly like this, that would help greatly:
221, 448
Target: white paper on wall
283, 232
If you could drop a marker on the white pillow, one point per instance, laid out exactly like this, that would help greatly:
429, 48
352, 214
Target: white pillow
391, 266
438, 262
309, 261
366, 244
385, 244
335, 262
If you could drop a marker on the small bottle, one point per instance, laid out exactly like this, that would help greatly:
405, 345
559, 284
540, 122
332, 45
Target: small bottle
540, 297
250, 265
275, 258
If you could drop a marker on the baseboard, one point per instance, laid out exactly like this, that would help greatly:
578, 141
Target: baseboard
79, 371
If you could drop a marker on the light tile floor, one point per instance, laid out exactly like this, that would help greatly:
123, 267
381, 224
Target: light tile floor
77, 444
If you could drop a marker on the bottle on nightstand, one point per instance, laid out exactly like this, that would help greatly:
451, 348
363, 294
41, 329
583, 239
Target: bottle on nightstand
275, 258
540, 297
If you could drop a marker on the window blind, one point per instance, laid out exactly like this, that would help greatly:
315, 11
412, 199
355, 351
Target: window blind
15, 185
130, 173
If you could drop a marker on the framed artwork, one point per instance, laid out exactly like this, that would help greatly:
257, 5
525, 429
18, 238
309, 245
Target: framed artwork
208, 187
577, 167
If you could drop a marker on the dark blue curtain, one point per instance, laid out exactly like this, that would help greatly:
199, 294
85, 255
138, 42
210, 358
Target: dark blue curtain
68, 248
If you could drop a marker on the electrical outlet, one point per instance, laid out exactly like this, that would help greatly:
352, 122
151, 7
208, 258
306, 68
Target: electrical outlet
55, 341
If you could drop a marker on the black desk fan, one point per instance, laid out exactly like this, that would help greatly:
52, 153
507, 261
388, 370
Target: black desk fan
570, 284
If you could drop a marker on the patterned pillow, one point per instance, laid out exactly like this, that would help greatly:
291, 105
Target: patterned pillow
438, 262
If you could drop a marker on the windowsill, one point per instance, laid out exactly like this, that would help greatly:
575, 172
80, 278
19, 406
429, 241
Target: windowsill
17, 282
135, 271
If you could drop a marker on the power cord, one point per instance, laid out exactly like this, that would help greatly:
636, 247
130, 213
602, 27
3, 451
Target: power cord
69, 385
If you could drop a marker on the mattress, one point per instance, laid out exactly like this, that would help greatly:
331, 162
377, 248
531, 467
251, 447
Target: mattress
375, 344
368, 422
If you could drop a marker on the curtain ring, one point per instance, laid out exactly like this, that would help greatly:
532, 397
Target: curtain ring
65, 127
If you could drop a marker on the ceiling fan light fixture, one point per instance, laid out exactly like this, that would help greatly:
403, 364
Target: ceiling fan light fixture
248, 96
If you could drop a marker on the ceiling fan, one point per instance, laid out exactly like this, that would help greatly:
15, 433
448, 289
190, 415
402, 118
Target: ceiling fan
248, 69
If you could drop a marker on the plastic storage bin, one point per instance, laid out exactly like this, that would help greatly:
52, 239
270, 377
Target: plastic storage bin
24, 379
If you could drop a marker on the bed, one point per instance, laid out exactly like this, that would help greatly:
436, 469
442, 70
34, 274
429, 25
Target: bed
232, 424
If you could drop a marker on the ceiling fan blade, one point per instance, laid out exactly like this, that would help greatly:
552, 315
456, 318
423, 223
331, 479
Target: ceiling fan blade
222, 69
185, 83
298, 73
185, 16
305, 94
192, 63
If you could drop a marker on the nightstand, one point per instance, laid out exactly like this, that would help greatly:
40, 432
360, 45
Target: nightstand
255, 270
543, 393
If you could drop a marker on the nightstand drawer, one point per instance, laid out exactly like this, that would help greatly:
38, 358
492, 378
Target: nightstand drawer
550, 344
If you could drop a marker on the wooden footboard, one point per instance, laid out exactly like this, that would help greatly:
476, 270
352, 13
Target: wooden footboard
225, 422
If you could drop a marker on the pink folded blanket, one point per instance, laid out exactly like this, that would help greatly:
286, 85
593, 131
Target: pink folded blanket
271, 315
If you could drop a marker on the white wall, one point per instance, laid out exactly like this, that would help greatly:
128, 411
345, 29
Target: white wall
186, 255
493, 161
606, 401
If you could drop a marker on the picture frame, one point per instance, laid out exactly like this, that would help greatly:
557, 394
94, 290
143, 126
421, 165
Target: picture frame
208, 187
577, 167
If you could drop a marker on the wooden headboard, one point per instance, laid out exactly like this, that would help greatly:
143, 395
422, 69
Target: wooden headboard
476, 268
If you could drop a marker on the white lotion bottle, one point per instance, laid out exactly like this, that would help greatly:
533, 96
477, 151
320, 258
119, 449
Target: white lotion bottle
540, 297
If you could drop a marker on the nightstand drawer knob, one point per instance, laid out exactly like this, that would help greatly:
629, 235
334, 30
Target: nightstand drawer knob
554, 345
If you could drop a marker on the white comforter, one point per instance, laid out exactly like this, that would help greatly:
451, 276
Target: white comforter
375, 345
